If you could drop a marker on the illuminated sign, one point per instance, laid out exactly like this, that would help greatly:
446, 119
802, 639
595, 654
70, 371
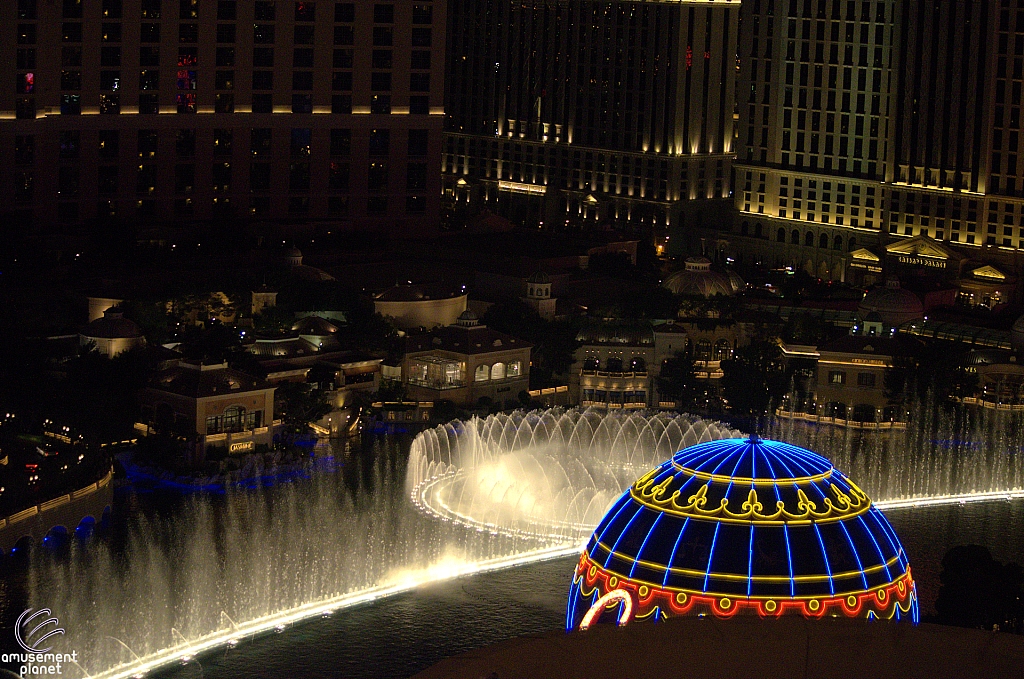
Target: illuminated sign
921, 261
242, 447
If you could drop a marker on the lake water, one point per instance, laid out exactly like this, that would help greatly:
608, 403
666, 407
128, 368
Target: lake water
403, 635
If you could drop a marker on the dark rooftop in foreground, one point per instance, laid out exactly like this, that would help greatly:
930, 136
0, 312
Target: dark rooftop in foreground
743, 648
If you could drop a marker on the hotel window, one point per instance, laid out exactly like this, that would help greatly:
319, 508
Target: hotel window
302, 80
344, 12
263, 80
184, 178
26, 58
381, 103
515, 368
106, 179
188, 9
302, 57
482, 373
70, 32
227, 10
24, 149
421, 37
260, 141
383, 36
382, 58
836, 377
145, 181
302, 103
498, 371
259, 177
418, 142
226, 33
221, 177
419, 105
343, 35
415, 204
380, 81
69, 80
301, 142
225, 56
149, 80
72, 9
341, 81
148, 142
343, 58
341, 142
27, 9
341, 103
264, 10
70, 144
263, 57
224, 80
380, 142
303, 35
305, 11
338, 176
185, 143
377, 204
865, 379
377, 177
422, 14
110, 104
109, 144
188, 33
150, 9
150, 33
149, 56
384, 14
110, 57
337, 205
222, 142
419, 82
263, 34
416, 177
111, 32
298, 177
420, 59
148, 103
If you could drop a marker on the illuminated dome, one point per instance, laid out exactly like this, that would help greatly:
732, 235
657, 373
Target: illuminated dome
698, 280
895, 305
742, 526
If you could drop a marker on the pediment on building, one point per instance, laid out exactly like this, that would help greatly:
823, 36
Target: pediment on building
989, 273
921, 246
865, 255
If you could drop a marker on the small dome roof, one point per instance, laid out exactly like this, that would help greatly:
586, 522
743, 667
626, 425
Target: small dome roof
468, 319
894, 304
735, 282
743, 526
538, 277
698, 280
293, 252
1017, 334
113, 325
314, 325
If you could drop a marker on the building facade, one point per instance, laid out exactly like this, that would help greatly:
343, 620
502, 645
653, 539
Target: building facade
868, 122
177, 110
585, 112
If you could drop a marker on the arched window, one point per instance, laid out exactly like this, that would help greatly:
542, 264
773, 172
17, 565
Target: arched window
234, 419
703, 351
852, 244
482, 373
823, 241
723, 350
794, 237
614, 365
781, 236
498, 371
809, 239
744, 229
591, 364
758, 229
515, 368
837, 243
638, 365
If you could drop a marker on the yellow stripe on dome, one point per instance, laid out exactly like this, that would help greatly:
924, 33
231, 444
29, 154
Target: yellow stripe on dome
745, 480
735, 577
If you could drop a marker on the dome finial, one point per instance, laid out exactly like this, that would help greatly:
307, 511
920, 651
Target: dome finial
754, 439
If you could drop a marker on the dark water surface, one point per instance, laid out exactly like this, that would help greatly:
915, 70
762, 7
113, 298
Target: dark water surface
399, 636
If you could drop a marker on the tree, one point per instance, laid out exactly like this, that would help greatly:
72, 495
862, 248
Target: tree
754, 379
554, 342
979, 592
677, 380
938, 367
299, 404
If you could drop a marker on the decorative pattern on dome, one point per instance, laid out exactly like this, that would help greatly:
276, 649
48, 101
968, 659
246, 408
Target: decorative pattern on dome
742, 525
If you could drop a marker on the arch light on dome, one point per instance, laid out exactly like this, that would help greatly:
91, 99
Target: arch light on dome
744, 526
